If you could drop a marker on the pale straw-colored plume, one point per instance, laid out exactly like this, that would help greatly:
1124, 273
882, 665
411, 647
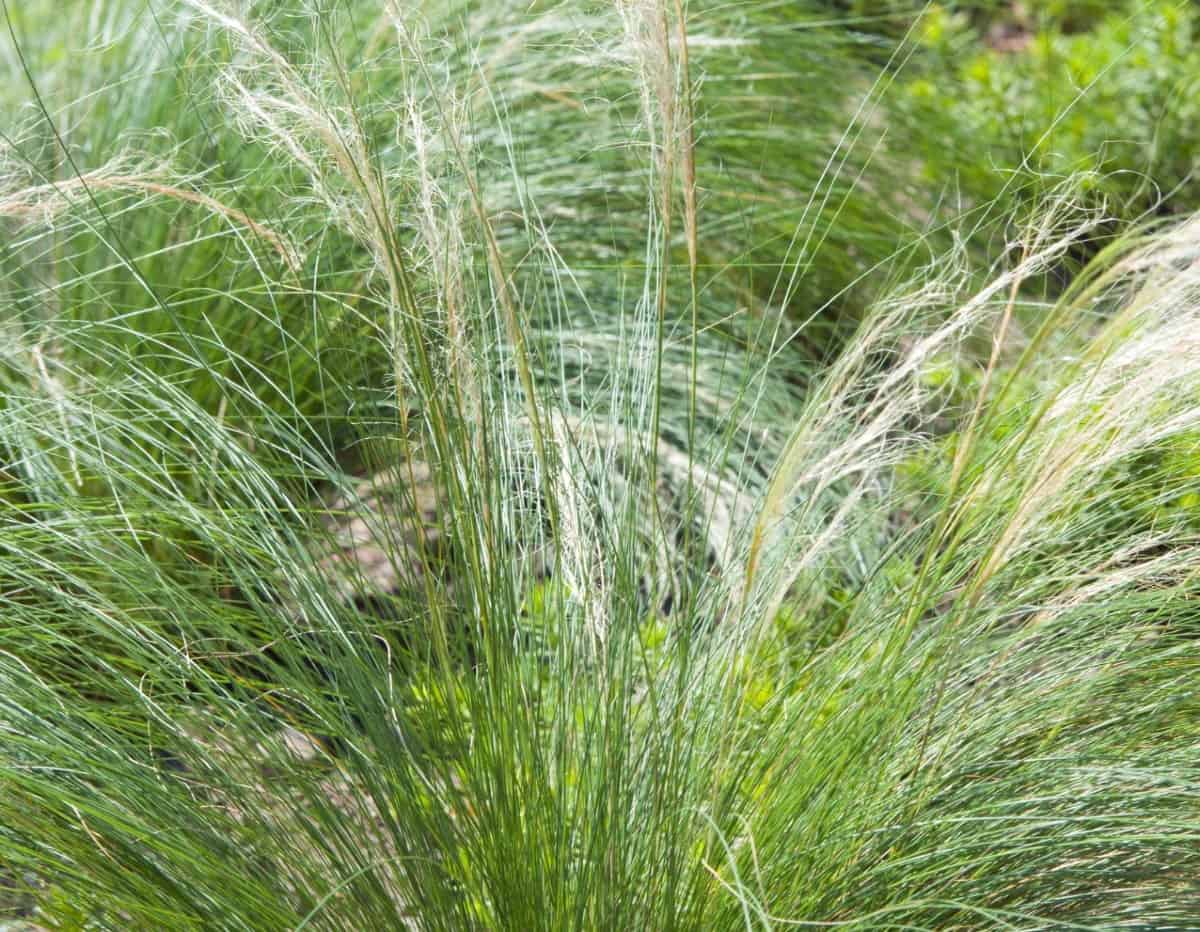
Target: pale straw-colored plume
858, 423
32, 202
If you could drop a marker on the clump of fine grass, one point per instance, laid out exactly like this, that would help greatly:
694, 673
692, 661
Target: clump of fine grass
683, 644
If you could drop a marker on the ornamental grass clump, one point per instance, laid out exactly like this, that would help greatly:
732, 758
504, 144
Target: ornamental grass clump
449, 509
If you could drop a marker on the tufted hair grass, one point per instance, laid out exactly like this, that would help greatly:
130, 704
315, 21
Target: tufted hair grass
696, 617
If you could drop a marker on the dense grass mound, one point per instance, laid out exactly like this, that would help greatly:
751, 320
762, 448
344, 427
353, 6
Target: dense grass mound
515, 466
